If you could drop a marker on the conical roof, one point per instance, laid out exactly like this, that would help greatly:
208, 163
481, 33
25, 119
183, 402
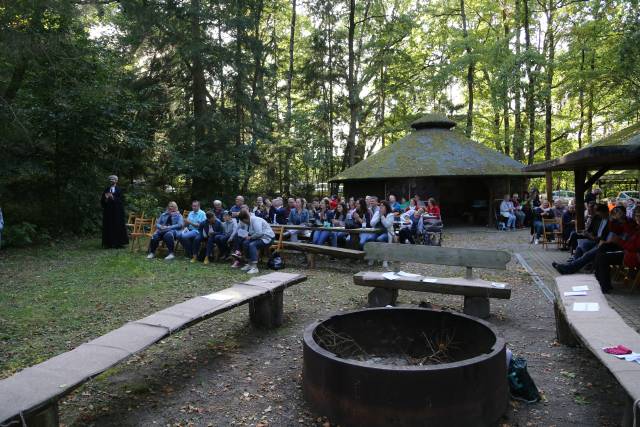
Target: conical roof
432, 148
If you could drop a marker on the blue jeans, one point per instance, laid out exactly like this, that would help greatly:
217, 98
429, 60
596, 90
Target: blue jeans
367, 237
584, 246
511, 219
537, 226
251, 248
188, 240
221, 242
335, 235
168, 237
321, 237
384, 237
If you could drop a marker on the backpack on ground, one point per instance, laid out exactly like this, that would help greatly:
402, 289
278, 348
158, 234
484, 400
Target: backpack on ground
521, 384
275, 261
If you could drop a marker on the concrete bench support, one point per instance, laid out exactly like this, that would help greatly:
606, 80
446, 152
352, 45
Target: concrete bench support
477, 306
382, 297
266, 312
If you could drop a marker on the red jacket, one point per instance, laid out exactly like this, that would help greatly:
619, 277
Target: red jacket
435, 211
631, 248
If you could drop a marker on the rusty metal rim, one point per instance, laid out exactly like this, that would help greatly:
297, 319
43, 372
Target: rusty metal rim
313, 345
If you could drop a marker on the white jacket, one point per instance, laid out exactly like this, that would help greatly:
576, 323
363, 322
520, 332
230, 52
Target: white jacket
257, 228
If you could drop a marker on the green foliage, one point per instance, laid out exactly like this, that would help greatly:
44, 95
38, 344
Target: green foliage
22, 234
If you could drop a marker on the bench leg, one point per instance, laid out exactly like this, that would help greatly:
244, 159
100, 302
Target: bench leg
382, 297
627, 417
266, 312
311, 260
563, 332
45, 417
477, 307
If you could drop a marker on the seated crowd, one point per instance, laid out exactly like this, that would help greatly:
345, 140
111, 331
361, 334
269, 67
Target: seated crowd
611, 237
240, 232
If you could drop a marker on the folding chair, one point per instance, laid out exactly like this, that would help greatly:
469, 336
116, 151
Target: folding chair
548, 235
141, 228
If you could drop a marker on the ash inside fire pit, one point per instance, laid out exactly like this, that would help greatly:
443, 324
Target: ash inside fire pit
405, 367
427, 347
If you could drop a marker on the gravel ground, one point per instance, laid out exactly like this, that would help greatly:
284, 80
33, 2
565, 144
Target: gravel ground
223, 372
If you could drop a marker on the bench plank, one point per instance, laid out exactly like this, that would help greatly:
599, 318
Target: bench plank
38, 386
478, 258
323, 249
448, 285
599, 329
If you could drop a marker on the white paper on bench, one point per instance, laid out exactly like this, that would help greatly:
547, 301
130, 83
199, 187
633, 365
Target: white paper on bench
498, 285
430, 279
575, 294
217, 297
580, 288
586, 306
390, 276
405, 274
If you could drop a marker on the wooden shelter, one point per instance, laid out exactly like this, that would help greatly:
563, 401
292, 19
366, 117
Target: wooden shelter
434, 160
618, 151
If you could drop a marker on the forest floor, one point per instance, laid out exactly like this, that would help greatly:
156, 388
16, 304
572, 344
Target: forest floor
224, 372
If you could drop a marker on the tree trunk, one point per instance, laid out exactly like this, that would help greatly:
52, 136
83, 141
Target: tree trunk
470, 71
530, 100
199, 94
292, 38
581, 98
590, 103
518, 136
506, 100
330, 106
548, 106
350, 151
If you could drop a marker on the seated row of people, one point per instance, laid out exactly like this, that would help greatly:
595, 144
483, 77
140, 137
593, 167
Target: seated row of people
224, 228
610, 239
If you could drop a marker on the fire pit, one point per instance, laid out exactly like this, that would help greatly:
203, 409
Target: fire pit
405, 367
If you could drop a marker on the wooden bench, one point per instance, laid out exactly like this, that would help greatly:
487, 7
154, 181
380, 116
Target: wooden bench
312, 250
597, 330
30, 397
476, 291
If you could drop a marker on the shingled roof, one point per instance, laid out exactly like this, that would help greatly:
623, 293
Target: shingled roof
432, 148
620, 150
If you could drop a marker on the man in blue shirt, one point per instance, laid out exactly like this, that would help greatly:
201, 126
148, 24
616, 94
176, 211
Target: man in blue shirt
235, 209
192, 225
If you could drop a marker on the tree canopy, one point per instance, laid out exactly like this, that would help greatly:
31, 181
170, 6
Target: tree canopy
272, 96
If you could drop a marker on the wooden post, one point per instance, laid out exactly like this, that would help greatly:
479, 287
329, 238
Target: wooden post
549, 181
381, 297
45, 417
267, 311
579, 178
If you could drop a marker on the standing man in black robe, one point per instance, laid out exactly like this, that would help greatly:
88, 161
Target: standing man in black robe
114, 231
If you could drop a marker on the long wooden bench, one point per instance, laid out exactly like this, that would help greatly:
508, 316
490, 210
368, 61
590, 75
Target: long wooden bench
476, 291
597, 330
312, 250
30, 397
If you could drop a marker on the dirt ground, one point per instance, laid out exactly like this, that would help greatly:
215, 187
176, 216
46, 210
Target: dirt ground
222, 372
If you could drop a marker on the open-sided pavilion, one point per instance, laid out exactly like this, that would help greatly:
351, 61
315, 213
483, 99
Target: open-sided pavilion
618, 151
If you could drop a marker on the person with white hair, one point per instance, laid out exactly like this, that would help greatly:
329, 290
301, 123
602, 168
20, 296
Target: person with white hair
218, 210
114, 229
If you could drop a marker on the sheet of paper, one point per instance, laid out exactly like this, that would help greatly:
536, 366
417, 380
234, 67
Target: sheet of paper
217, 297
579, 288
430, 279
390, 276
405, 274
498, 285
575, 294
586, 306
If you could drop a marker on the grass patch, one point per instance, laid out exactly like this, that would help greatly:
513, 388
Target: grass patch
53, 298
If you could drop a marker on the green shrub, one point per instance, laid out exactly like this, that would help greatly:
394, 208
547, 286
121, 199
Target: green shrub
21, 234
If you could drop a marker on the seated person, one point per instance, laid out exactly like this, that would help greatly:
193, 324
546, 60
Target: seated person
168, 226
568, 222
235, 209
628, 254
258, 235
433, 209
591, 222
518, 212
507, 211
588, 240
395, 206
543, 211
384, 219
362, 219
297, 216
191, 231
587, 248
630, 207
338, 220
279, 214
218, 210
209, 230
323, 218
224, 240
412, 225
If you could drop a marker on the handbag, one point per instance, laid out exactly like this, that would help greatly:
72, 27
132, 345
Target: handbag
275, 261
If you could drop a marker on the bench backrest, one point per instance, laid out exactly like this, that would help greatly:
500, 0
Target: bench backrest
479, 258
